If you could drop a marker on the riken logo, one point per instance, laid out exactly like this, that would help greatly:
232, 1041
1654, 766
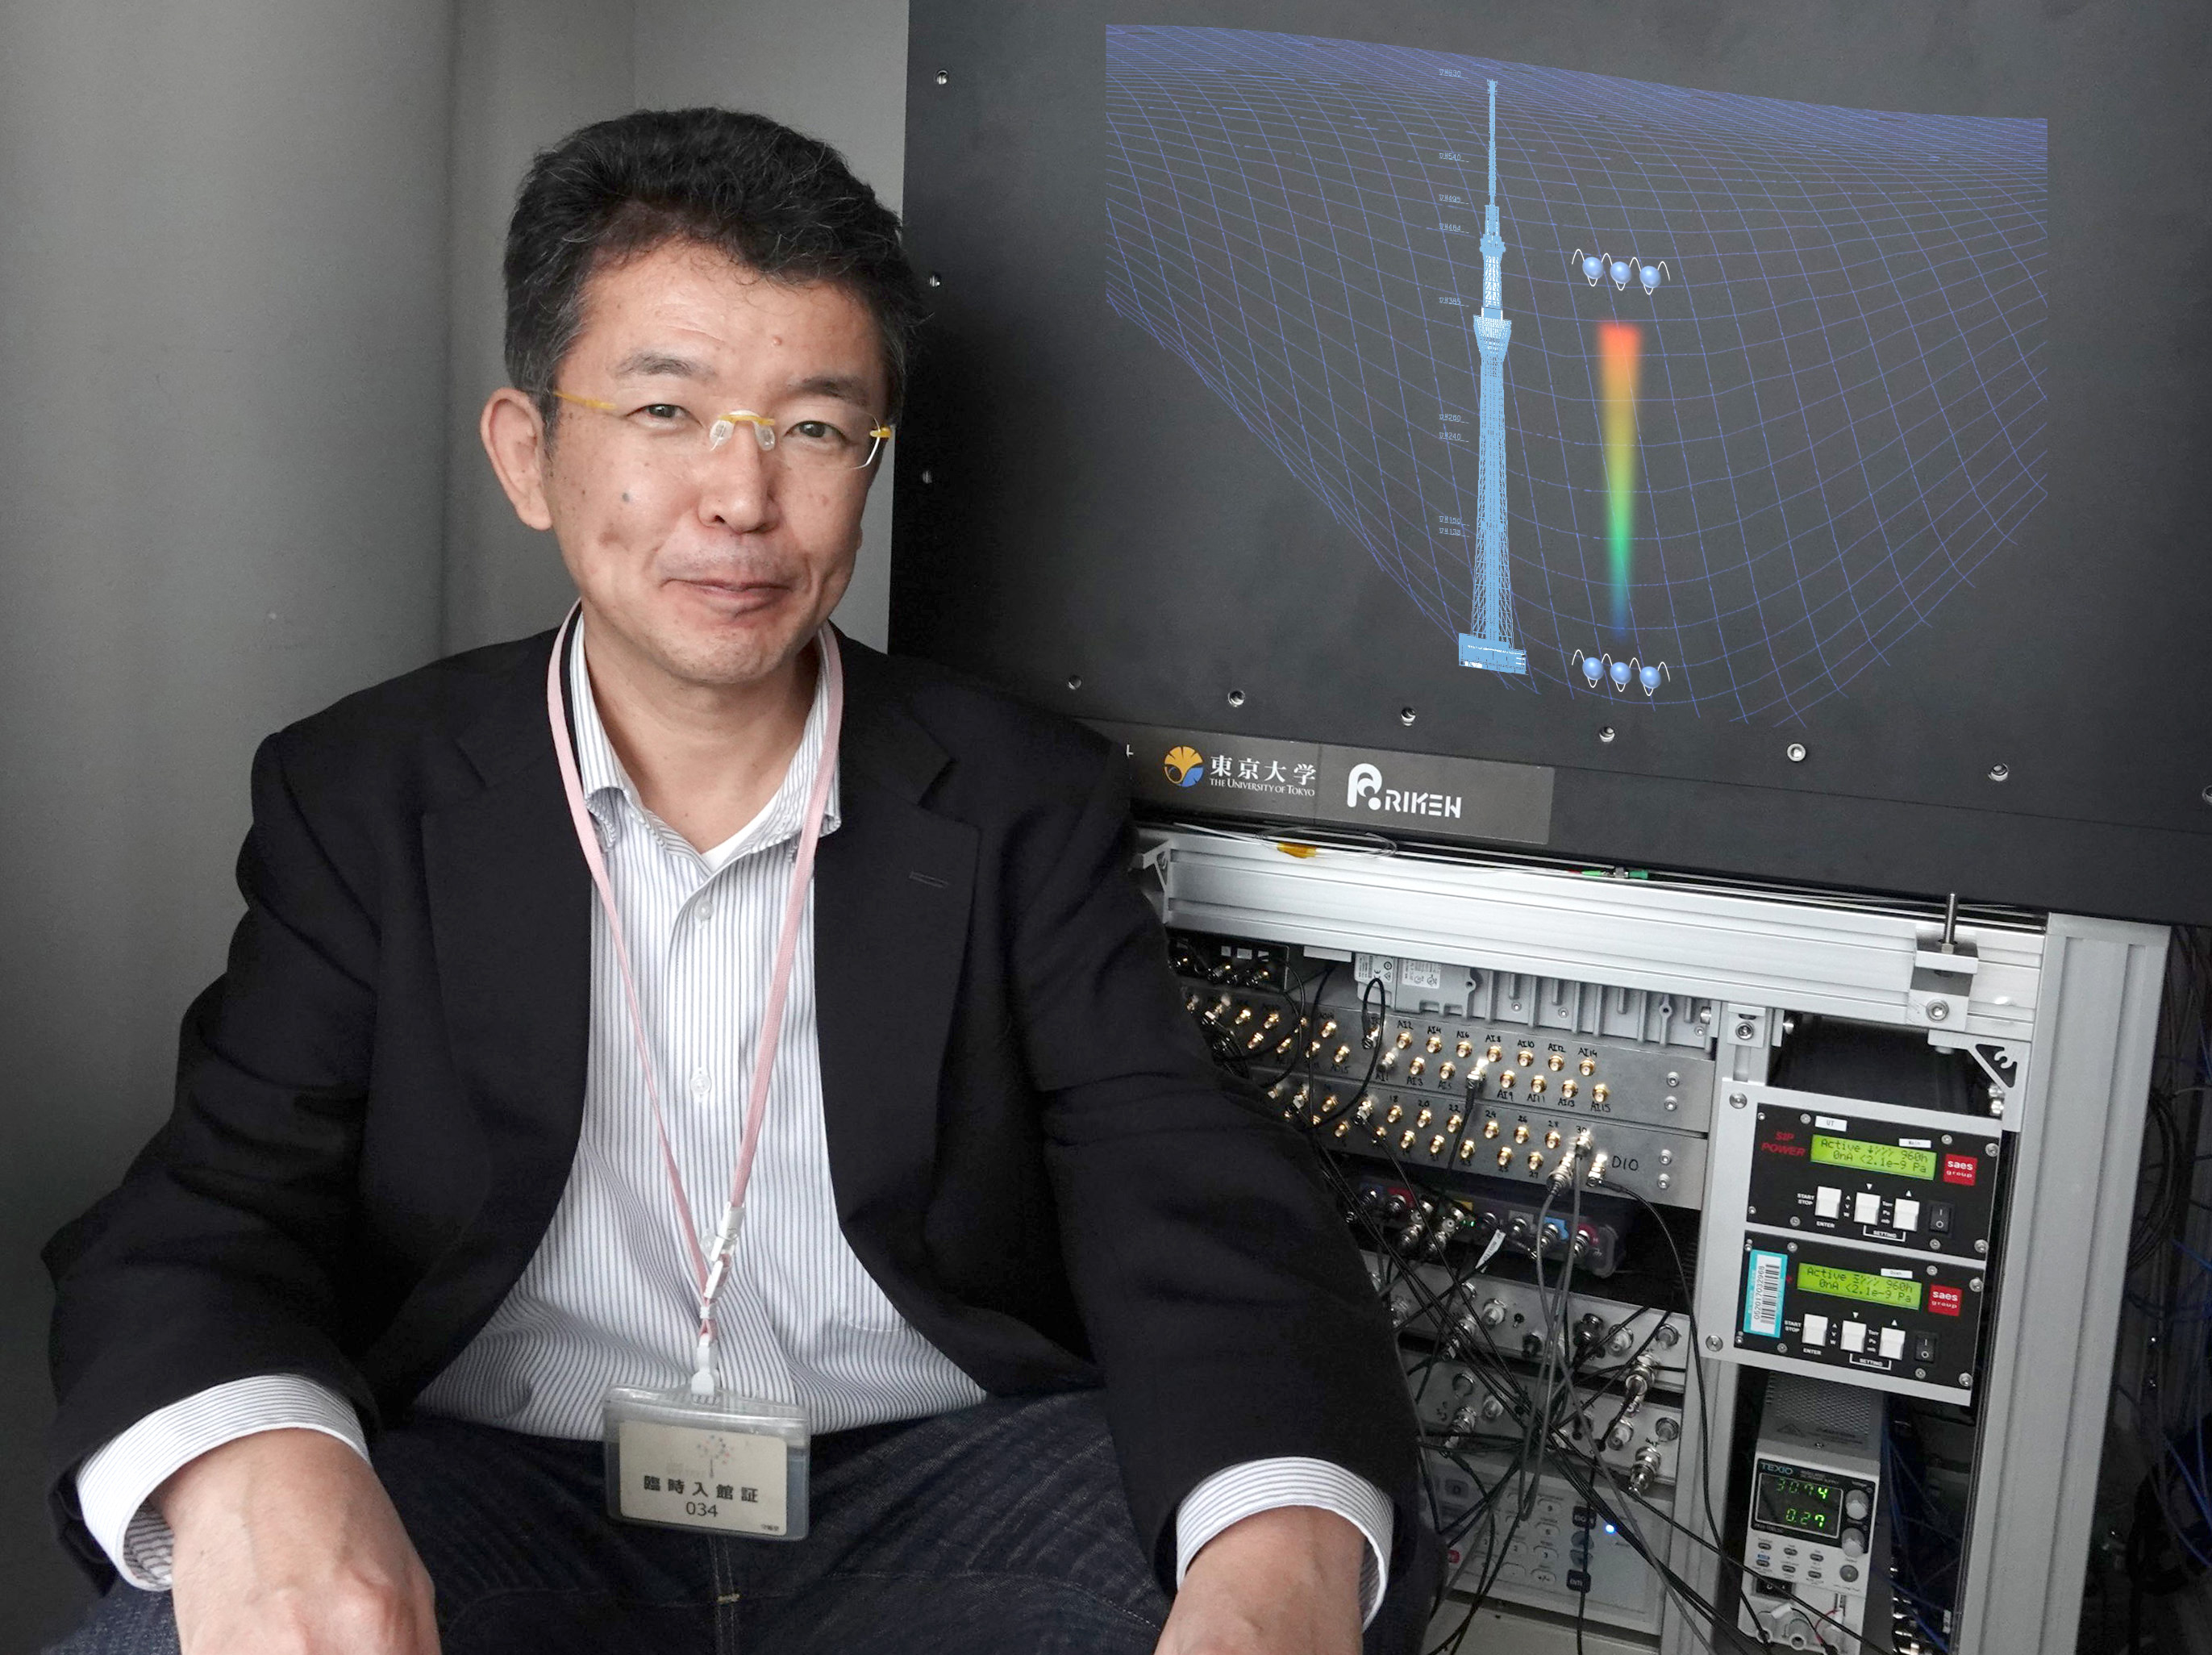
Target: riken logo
1366, 782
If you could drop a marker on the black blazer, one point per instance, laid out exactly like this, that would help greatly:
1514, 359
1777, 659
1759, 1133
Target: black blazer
378, 1101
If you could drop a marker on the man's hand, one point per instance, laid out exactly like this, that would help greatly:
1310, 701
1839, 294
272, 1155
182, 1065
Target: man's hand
287, 1544
1285, 1582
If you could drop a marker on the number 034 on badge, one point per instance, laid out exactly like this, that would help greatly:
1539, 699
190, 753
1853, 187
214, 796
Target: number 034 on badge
736, 1465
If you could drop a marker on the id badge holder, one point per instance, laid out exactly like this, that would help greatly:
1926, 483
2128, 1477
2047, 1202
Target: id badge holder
731, 1464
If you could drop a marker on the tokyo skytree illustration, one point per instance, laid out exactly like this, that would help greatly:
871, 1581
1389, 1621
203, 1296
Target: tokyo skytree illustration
1488, 640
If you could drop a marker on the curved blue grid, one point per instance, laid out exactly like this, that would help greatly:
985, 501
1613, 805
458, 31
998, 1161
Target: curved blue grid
1841, 413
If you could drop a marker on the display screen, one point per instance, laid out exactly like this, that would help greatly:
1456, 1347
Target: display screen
1873, 1158
1857, 1284
1806, 1506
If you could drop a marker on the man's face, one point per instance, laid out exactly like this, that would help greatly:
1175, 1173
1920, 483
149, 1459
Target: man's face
713, 565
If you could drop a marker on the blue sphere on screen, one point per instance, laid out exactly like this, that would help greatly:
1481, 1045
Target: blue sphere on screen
1620, 272
1650, 676
1620, 674
1649, 276
1592, 670
1592, 267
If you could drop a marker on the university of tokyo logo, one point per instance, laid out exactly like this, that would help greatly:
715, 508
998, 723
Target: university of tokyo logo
1185, 766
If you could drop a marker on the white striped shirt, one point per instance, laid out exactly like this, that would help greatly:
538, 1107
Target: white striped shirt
607, 1299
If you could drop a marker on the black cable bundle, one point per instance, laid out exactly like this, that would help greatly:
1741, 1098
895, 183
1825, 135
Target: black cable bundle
2167, 1327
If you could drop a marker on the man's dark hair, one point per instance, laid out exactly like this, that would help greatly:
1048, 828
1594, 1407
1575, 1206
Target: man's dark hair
779, 203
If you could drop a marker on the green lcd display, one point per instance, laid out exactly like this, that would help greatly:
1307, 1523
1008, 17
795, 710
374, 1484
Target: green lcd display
1857, 1284
1873, 1158
1812, 1506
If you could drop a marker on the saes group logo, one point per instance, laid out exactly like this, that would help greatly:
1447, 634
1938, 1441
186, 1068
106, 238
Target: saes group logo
1185, 766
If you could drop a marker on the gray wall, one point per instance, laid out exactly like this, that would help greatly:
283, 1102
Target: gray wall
249, 306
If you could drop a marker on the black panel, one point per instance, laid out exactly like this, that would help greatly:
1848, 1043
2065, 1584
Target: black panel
1894, 463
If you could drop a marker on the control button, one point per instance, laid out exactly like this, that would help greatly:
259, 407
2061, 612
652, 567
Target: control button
1855, 1336
1905, 1215
1892, 1344
1547, 1531
1789, 1568
1854, 1543
1939, 1217
1814, 1574
1866, 1208
1765, 1545
1816, 1331
1857, 1505
1790, 1551
1543, 1578
1850, 1570
1762, 1561
1923, 1348
1827, 1202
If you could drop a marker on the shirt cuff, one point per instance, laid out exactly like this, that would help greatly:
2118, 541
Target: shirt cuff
115, 1485
1238, 1492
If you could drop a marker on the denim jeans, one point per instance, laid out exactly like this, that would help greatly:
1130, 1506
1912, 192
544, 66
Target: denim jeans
1000, 1530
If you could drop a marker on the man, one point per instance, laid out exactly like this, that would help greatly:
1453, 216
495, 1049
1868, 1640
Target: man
454, 1132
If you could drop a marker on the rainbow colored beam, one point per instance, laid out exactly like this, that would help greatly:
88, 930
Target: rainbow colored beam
1619, 357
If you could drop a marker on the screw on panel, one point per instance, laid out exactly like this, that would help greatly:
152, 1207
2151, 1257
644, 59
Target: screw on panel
1966, 1379
2000, 772
1405, 715
1605, 734
942, 77
935, 280
1236, 697
1938, 1011
1981, 1246
1074, 680
1795, 753
927, 476
2206, 795
1737, 1100
1712, 1342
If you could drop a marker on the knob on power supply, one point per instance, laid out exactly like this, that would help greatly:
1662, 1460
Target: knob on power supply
1857, 1505
1854, 1543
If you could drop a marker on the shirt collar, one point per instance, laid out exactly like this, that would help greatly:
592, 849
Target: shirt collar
608, 789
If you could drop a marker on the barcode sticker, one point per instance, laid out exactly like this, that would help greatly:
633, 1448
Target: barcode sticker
1762, 1294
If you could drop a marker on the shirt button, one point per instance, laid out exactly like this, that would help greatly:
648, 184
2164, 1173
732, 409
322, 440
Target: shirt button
704, 912
699, 1083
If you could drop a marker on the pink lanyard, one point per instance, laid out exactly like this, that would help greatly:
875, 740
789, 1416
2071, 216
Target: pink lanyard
707, 1267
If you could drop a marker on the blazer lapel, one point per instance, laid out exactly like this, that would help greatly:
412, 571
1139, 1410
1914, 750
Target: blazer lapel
510, 920
891, 892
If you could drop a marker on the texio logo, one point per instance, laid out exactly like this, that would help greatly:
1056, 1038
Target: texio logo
1366, 783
